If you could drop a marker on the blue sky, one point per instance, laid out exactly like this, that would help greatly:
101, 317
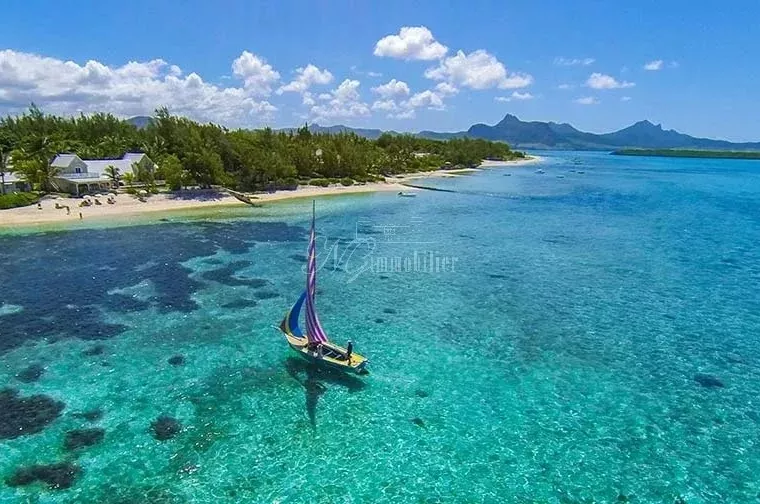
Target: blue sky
236, 62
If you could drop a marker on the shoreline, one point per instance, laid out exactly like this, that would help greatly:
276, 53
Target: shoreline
126, 206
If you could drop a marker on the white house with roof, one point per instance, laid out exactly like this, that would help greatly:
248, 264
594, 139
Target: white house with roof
13, 183
81, 176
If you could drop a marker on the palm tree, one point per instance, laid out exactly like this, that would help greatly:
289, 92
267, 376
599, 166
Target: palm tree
113, 174
129, 178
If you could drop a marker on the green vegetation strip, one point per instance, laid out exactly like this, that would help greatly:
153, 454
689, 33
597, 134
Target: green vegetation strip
192, 154
19, 199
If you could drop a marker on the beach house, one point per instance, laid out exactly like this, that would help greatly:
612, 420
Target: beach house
81, 176
13, 183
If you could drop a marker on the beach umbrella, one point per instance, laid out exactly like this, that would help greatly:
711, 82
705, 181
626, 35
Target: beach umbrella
87, 197
142, 192
111, 195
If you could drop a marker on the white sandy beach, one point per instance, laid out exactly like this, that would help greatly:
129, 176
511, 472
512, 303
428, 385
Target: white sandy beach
127, 205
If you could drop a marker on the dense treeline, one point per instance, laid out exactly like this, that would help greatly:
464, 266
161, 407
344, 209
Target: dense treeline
189, 153
688, 153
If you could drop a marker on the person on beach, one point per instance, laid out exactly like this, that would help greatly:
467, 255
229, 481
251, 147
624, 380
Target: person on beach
39, 206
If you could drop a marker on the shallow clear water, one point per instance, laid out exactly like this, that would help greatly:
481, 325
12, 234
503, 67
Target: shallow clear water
563, 360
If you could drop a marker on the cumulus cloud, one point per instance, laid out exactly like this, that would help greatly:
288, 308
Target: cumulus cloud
392, 88
305, 78
565, 86
602, 81
427, 98
134, 88
654, 65
258, 76
625, 98
477, 70
573, 61
307, 98
387, 105
445, 89
587, 100
342, 102
411, 43
516, 95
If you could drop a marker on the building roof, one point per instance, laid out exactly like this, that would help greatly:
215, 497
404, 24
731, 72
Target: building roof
12, 178
99, 165
63, 160
135, 157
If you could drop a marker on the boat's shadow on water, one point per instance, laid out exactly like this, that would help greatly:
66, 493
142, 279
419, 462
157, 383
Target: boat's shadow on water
314, 380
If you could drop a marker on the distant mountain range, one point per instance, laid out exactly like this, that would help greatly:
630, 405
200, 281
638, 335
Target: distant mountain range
550, 135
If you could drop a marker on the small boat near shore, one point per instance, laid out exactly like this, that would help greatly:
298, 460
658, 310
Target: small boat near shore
313, 344
248, 200
403, 194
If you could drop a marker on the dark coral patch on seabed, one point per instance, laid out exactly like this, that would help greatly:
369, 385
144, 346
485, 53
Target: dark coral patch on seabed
31, 373
82, 438
20, 416
165, 427
79, 272
176, 360
57, 476
708, 381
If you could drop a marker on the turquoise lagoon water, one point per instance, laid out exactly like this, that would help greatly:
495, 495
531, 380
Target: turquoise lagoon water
596, 341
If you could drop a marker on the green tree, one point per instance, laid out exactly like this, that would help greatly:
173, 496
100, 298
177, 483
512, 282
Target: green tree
174, 175
6, 146
129, 178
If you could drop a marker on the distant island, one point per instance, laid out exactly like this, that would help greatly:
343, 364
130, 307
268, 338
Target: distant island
539, 135
688, 153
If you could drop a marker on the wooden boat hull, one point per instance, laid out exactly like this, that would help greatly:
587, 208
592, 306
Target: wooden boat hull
357, 364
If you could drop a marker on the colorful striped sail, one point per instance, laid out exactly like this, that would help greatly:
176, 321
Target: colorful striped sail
314, 332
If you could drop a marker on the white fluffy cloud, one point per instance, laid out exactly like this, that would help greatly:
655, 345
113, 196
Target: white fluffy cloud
654, 65
342, 102
432, 99
625, 98
427, 98
411, 43
573, 61
602, 81
386, 105
587, 100
565, 86
392, 89
256, 73
477, 70
516, 95
408, 114
305, 78
135, 88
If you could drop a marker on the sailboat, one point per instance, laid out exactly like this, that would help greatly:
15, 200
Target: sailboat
313, 345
